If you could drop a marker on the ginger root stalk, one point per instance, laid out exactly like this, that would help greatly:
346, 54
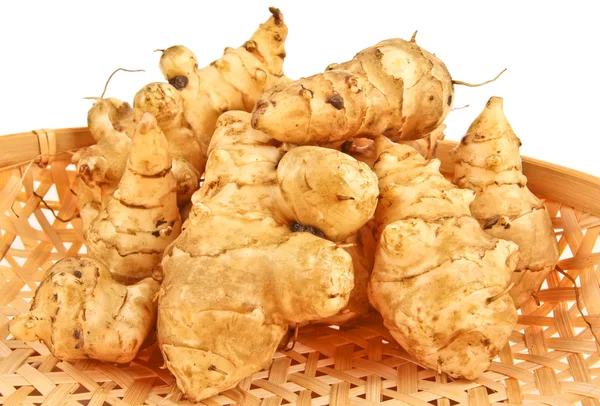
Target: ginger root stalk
101, 166
131, 233
488, 162
165, 103
80, 312
233, 82
255, 255
394, 88
439, 281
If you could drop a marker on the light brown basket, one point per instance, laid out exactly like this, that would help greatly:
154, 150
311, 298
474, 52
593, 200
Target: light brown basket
551, 359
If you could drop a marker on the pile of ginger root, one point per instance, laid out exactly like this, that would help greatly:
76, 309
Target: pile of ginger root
230, 205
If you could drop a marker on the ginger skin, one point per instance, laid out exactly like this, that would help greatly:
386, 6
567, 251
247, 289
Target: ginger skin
165, 103
439, 281
488, 162
228, 299
101, 166
80, 312
142, 218
233, 82
394, 88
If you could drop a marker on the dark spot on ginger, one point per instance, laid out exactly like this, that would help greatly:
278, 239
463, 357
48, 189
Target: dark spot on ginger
178, 82
55, 297
282, 55
214, 368
336, 101
343, 197
450, 100
303, 90
485, 342
333, 296
250, 45
507, 226
431, 98
77, 274
491, 223
297, 227
85, 173
77, 346
273, 102
76, 334
160, 222
156, 233
347, 146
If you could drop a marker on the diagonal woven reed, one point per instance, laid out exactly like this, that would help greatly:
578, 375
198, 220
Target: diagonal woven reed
552, 358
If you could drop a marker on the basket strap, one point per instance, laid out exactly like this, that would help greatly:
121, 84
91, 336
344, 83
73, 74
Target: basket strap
47, 142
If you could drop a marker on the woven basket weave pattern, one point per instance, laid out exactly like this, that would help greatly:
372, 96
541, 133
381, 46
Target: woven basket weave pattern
552, 357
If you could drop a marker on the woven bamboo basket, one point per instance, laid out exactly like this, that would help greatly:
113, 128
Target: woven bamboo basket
552, 357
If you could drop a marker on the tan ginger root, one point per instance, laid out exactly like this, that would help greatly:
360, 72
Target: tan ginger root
131, 233
251, 261
488, 162
394, 88
439, 281
233, 82
112, 122
165, 103
101, 166
80, 312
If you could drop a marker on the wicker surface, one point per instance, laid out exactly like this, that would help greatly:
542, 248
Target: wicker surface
552, 357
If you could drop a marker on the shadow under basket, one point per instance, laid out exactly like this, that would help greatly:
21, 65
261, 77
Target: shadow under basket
552, 357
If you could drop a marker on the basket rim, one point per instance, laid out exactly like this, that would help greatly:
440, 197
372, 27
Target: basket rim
578, 189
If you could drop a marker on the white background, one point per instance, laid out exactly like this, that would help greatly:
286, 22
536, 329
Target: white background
53, 53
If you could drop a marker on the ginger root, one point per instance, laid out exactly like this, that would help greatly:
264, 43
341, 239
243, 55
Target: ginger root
131, 233
101, 166
253, 257
80, 312
488, 162
165, 103
394, 88
439, 280
233, 82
